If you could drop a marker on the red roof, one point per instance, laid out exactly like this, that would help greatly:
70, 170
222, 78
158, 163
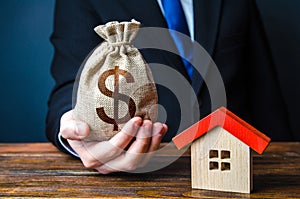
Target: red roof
231, 123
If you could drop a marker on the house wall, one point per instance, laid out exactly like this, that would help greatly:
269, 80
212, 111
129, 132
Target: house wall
237, 178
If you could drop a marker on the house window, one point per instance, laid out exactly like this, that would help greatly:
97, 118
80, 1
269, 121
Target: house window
225, 154
213, 165
213, 154
225, 166
219, 160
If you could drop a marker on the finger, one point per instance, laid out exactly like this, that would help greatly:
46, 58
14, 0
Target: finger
74, 130
135, 154
143, 139
67, 116
71, 128
159, 130
124, 137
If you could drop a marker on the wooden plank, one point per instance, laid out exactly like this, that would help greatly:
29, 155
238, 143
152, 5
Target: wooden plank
27, 147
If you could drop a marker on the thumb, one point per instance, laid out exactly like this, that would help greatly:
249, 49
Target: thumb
74, 130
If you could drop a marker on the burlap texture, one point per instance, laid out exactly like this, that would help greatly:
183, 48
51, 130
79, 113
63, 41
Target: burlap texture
115, 83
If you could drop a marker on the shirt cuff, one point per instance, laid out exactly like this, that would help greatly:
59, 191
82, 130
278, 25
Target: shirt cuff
66, 145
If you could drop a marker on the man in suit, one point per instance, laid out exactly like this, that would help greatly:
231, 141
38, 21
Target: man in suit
230, 31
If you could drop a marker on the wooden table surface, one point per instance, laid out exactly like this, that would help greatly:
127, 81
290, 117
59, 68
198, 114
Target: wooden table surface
40, 170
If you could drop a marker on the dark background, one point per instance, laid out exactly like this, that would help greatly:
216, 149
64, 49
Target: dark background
26, 53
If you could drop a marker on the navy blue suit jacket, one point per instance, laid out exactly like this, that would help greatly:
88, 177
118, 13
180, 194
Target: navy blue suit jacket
229, 30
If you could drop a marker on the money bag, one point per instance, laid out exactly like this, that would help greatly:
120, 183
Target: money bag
115, 83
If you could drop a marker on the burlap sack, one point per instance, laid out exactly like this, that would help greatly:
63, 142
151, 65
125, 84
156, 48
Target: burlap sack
115, 84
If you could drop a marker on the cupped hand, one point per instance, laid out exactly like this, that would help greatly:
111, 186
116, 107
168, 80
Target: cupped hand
139, 137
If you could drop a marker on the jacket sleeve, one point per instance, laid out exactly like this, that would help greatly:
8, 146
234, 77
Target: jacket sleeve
73, 38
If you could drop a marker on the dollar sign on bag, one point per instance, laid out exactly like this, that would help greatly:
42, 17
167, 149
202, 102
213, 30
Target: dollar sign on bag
116, 97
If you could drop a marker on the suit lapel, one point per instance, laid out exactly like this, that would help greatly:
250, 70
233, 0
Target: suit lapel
206, 22
147, 12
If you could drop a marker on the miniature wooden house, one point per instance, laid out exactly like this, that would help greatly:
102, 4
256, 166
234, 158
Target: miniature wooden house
221, 151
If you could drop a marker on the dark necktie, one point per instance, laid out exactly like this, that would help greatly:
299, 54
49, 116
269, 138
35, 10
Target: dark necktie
176, 20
